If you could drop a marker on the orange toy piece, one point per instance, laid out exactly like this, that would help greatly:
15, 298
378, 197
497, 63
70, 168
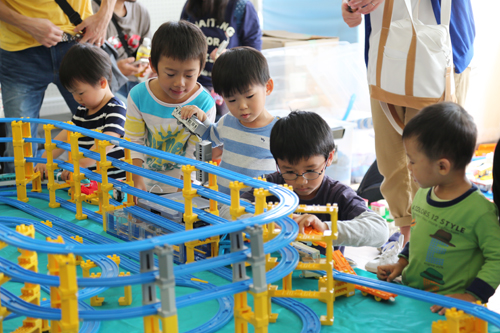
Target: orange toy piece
310, 230
341, 265
485, 148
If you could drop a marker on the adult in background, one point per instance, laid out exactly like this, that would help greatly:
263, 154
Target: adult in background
34, 37
127, 29
398, 187
233, 20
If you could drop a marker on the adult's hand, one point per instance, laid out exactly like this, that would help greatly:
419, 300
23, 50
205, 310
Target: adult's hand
127, 68
352, 19
365, 6
44, 31
95, 26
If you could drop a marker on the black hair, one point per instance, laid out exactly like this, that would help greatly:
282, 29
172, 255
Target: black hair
200, 9
179, 40
237, 69
301, 135
85, 63
444, 130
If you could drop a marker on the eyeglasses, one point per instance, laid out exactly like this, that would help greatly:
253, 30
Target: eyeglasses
308, 175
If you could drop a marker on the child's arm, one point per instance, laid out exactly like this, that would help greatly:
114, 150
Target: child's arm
390, 272
42, 167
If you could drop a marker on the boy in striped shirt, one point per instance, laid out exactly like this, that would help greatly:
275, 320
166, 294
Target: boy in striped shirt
86, 71
241, 76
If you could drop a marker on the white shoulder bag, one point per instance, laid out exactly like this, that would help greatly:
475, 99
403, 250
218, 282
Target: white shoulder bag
413, 63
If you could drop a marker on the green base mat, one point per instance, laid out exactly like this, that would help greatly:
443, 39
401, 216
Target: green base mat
354, 314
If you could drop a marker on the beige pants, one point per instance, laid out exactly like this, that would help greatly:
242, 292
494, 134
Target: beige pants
398, 188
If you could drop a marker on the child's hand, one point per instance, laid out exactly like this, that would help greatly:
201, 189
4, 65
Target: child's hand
189, 110
139, 184
390, 272
43, 170
65, 175
309, 220
464, 297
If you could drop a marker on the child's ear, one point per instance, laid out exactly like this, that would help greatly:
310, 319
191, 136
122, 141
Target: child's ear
269, 87
103, 82
153, 69
329, 161
444, 166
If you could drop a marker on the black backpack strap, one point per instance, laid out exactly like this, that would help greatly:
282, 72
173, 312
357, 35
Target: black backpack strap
120, 32
74, 17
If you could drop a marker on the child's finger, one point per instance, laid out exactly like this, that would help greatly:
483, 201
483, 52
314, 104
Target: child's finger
392, 276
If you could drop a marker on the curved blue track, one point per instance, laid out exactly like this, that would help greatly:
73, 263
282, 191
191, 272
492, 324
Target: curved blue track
288, 201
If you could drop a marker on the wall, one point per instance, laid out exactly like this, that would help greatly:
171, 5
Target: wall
485, 75
482, 99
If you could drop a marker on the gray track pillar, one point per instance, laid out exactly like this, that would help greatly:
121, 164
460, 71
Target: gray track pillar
148, 289
239, 271
166, 280
257, 259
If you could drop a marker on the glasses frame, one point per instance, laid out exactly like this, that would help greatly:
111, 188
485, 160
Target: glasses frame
302, 175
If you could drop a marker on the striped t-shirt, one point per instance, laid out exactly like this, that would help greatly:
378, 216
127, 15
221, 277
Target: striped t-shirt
246, 150
110, 118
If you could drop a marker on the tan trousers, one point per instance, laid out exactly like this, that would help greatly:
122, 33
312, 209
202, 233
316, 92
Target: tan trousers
398, 188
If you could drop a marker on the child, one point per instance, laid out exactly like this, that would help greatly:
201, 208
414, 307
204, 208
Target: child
85, 72
234, 21
178, 54
496, 175
241, 77
455, 237
303, 147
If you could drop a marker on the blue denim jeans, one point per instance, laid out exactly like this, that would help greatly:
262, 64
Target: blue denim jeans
122, 94
24, 76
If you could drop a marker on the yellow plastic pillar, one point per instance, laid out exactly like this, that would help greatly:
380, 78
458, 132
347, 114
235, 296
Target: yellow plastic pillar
29, 260
129, 176
51, 166
241, 309
127, 297
188, 192
29, 167
105, 187
169, 324
64, 296
236, 210
151, 324
3, 310
212, 184
260, 320
96, 300
77, 176
68, 289
19, 160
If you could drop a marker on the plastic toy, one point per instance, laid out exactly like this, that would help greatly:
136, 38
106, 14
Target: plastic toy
459, 322
68, 312
193, 125
342, 265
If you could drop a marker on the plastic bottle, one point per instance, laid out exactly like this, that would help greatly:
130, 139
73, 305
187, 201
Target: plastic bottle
144, 51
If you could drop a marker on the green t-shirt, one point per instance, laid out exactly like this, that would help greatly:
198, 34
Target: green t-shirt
453, 243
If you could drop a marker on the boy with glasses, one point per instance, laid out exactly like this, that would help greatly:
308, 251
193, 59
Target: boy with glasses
303, 147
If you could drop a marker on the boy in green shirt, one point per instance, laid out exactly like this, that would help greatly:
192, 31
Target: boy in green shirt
455, 236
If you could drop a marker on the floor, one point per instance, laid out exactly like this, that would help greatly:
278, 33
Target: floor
366, 253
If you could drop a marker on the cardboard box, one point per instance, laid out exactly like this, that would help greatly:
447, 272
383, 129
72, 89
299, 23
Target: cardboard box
280, 38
